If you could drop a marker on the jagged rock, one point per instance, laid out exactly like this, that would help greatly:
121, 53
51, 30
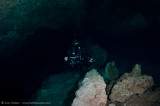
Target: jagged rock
124, 89
151, 98
111, 71
57, 90
92, 91
136, 71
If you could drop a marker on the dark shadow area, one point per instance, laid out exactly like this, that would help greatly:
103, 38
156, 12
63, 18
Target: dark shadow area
40, 57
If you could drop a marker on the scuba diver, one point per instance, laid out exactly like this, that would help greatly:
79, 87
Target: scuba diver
77, 57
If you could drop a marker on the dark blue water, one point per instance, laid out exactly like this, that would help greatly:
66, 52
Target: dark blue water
42, 55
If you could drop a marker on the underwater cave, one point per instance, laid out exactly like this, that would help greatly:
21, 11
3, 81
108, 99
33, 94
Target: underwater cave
36, 36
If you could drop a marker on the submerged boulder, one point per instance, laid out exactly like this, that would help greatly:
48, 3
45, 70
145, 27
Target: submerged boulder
121, 91
130, 84
111, 71
91, 91
151, 98
136, 71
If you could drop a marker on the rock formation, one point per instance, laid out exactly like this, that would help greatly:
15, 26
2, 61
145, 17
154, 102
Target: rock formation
92, 91
130, 84
151, 98
129, 90
111, 71
136, 71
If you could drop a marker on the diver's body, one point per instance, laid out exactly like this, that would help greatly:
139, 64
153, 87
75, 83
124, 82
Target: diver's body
77, 57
